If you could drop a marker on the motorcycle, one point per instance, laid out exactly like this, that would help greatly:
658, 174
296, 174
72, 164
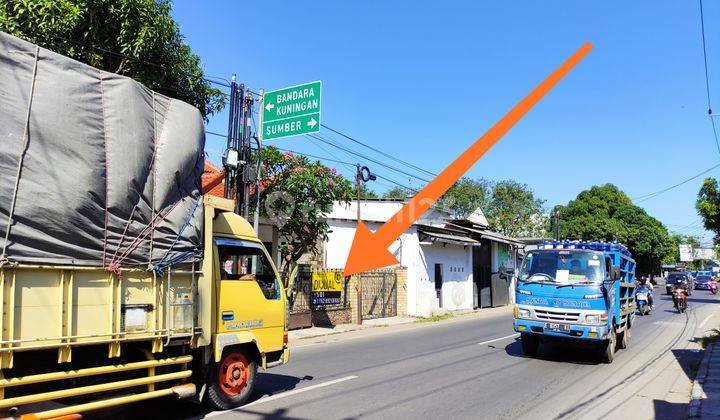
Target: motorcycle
680, 299
641, 298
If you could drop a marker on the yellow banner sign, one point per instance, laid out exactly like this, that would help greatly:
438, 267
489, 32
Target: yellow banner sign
327, 281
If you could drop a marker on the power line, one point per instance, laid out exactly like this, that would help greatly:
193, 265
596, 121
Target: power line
354, 153
379, 151
707, 77
350, 165
646, 197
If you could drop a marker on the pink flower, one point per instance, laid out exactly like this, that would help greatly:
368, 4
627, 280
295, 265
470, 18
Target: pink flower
288, 155
333, 171
331, 183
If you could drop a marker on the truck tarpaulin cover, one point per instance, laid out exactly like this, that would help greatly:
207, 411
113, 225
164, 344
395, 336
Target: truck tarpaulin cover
95, 169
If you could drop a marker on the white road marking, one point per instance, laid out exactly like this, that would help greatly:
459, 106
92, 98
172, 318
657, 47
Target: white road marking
707, 318
285, 394
499, 339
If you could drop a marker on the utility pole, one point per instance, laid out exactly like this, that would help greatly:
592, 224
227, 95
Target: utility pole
362, 175
556, 225
232, 158
258, 137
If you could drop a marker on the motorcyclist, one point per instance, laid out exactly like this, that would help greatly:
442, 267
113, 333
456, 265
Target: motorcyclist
649, 286
683, 285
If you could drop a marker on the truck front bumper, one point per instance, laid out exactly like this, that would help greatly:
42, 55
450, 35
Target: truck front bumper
576, 331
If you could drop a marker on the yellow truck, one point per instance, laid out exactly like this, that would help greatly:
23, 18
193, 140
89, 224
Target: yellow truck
198, 331
119, 280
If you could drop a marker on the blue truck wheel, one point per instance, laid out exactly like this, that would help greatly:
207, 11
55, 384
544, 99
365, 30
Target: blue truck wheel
607, 348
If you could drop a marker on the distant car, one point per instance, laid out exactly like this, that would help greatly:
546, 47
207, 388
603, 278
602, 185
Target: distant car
675, 279
702, 282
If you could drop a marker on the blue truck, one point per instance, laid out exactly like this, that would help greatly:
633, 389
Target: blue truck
576, 292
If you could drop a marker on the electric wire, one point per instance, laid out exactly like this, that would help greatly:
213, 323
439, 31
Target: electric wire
649, 196
398, 160
707, 77
360, 155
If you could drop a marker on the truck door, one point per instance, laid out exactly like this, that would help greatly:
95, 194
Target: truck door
250, 293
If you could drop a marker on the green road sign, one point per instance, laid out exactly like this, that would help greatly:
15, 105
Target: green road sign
291, 111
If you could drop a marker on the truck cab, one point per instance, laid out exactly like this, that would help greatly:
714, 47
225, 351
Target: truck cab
576, 293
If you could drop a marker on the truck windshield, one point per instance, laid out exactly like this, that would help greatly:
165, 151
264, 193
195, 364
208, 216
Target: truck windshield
562, 266
246, 261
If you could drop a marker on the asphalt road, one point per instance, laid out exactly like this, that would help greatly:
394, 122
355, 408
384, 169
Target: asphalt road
474, 368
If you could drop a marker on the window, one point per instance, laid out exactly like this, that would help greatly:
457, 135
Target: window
247, 261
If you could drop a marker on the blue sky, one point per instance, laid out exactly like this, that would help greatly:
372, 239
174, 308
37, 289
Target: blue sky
422, 81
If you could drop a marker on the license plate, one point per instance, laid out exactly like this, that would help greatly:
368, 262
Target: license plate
553, 326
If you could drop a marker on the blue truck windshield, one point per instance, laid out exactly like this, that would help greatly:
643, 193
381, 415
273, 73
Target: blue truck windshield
562, 266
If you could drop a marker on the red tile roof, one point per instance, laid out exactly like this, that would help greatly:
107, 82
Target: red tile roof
213, 180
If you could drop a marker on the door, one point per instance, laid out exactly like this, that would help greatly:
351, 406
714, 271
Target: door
482, 272
438, 283
250, 295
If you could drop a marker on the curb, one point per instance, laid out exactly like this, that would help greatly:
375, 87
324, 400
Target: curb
697, 394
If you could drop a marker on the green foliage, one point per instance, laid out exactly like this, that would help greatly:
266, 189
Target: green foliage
295, 193
134, 38
396, 193
466, 195
514, 210
366, 192
605, 213
708, 206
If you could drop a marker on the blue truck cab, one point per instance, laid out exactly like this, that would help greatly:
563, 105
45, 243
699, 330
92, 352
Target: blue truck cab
576, 292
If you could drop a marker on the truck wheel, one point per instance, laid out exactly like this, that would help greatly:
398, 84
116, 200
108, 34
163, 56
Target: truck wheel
623, 338
530, 344
232, 381
607, 348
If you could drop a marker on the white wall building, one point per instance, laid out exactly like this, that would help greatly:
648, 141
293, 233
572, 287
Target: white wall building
438, 257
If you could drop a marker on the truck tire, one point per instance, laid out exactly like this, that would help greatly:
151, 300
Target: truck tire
623, 338
232, 380
607, 348
530, 344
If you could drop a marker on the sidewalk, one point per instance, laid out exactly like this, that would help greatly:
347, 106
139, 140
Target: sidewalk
705, 402
313, 332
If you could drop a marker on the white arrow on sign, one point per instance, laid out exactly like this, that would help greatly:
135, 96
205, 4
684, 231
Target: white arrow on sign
269, 106
312, 123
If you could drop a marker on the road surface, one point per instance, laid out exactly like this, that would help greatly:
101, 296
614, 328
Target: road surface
474, 368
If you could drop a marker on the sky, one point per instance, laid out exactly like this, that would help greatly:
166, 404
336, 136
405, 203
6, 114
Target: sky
423, 80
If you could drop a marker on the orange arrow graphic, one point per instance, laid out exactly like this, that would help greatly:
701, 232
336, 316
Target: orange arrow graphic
369, 251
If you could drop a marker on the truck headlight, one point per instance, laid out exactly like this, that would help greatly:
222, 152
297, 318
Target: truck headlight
592, 319
523, 313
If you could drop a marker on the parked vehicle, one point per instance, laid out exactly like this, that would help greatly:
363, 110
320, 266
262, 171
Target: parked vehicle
119, 281
678, 279
704, 282
680, 299
642, 298
579, 293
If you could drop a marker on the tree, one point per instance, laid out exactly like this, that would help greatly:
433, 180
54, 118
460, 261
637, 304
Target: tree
295, 194
676, 240
396, 193
513, 210
134, 38
708, 206
605, 213
366, 192
466, 195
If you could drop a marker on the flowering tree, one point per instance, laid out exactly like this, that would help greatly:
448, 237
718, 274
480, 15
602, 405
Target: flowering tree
295, 193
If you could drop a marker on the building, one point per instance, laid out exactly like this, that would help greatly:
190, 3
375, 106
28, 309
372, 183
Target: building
452, 264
